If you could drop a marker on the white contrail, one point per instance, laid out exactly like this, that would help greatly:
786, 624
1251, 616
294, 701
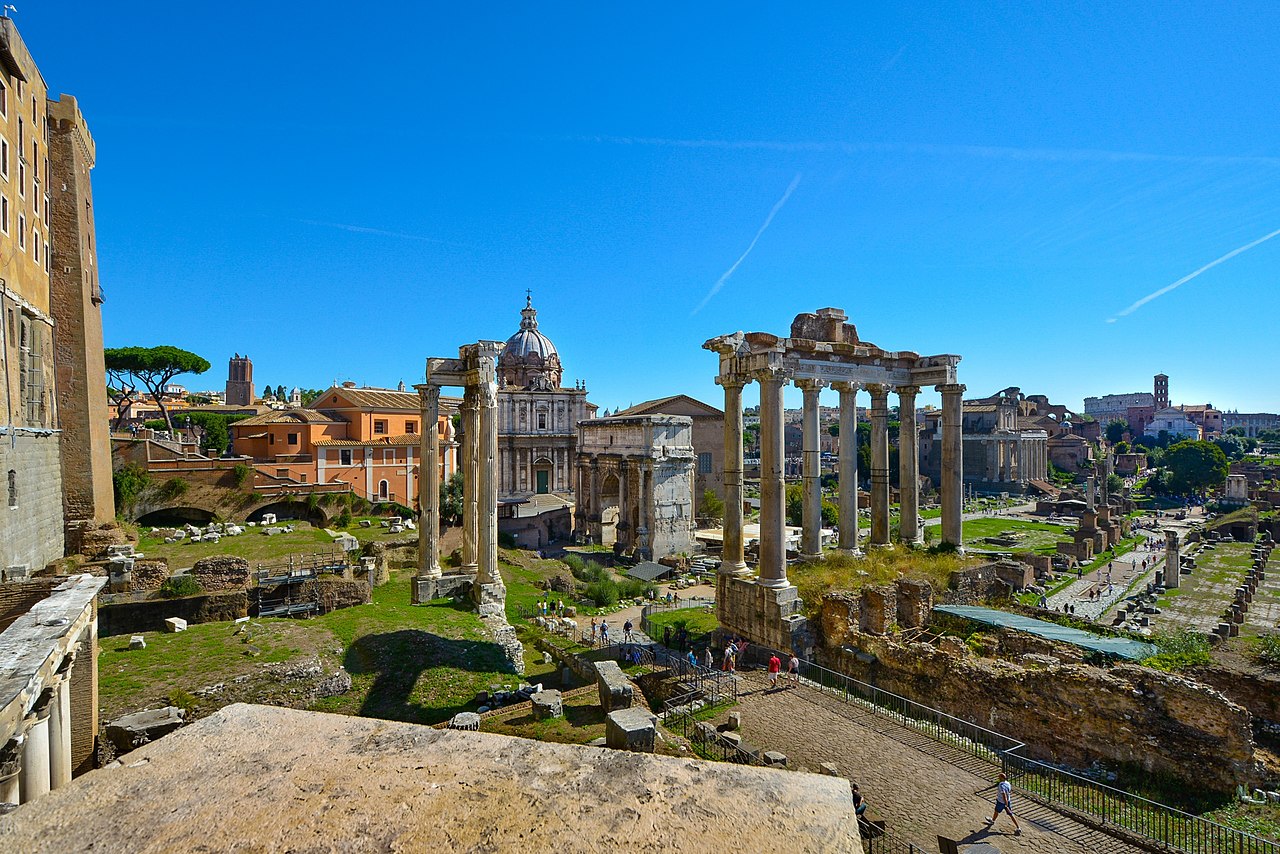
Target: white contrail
720, 282
1233, 253
364, 229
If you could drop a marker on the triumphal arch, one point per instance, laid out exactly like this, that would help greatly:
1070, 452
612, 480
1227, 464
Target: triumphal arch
822, 350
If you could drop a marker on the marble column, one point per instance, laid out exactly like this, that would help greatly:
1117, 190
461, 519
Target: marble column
470, 509
644, 487
908, 466
992, 457
429, 483
773, 494
879, 464
33, 779
60, 731
1172, 560
848, 466
10, 767
487, 485
811, 472
733, 555
594, 515
952, 486
624, 532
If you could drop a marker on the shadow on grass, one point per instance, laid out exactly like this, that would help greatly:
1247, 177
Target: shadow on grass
397, 661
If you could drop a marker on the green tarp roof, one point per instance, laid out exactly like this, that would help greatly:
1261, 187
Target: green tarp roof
648, 571
1122, 647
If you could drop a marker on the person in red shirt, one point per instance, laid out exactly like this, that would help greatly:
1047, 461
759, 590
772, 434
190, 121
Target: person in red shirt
775, 666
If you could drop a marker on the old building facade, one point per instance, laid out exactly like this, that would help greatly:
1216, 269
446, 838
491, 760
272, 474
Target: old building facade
707, 435
537, 416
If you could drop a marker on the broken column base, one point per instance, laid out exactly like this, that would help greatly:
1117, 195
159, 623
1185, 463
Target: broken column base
428, 588
634, 729
768, 616
490, 599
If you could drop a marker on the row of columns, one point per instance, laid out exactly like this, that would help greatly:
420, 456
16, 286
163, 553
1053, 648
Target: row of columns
1010, 459
772, 550
479, 483
589, 514
40, 758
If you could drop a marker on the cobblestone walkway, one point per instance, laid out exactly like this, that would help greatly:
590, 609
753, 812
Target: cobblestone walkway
920, 787
1123, 572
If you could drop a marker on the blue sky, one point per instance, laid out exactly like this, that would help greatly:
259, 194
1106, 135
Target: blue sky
340, 190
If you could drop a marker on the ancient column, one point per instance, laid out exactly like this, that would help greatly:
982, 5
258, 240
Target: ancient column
644, 486
10, 766
848, 466
594, 510
879, 464
773, 498
33, 779
470, 510
732, 555
1089, 491
1172, 560
623, 531
487, 485
908, 466
811, 472
429, 483
60, 731
993, 458
952, 486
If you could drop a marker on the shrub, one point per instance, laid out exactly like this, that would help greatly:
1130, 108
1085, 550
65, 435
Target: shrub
179, 585
507, 541
129, 480
603, 593
1267, 649
173, 488
241, 473
343, 520
1177, 650
631, 588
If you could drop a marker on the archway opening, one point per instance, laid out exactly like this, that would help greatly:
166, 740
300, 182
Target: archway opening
174, 517
610, 501
542, 481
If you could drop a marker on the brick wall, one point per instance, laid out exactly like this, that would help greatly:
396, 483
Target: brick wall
84, 702
16, 598
31, 533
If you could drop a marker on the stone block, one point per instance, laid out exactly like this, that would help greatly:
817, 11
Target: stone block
774, 759
175, 624
137, 729
547, 704
221, 572
634, 729
732, 739
465, 720
829, 768
705, 732
137, 642
616, 691
735, 720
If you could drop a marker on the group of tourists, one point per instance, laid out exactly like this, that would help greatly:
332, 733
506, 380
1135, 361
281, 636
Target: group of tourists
793, 673
600, 631
550, 607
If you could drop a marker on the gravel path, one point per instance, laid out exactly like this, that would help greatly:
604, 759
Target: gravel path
919, 786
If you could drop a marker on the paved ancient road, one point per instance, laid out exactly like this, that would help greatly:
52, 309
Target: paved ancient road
920, 787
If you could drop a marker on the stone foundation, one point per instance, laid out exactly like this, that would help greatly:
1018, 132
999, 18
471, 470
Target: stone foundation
445, 587
768, 616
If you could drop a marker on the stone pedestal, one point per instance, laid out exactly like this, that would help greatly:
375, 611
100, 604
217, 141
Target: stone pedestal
547, 704
615, 688
769, 616
634, 729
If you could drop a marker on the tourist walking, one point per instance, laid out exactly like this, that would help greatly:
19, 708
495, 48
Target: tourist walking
708, 659
693, 659
775, 667
666, 636
1004, 801
604, 631
595, 631
626, 631
729, 652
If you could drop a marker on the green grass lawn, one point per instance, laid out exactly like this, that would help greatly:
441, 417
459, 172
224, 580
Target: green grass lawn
699, 622
253, 545
410, 663
1040, 537
583, 721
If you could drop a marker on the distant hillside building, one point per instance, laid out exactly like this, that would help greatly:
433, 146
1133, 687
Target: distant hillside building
1176, 423
239, 381
1002, 453
537, 417
1252, 423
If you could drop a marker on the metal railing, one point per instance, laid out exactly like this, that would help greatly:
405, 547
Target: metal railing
1095, 802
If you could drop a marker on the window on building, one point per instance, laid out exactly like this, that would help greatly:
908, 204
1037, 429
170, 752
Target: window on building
542, 420
22, 138
384, 490
4, 158
271, 438
389, 456
303, 477
704, 464
293, 438
22, 179
13, 488
4, 100
411, 426
380, 428
35, 245
284, 473
344, 456
22, 232
46, 256
4, 214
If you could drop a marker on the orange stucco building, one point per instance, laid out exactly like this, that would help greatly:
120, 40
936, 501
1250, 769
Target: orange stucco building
367, 437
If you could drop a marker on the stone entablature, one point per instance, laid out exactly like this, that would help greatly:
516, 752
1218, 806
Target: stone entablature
823, 349
641, 467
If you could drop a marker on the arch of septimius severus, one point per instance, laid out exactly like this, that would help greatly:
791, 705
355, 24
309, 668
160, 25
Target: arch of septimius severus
823, 349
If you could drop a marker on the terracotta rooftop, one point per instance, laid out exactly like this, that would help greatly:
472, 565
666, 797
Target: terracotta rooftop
379, 398
414, 439
292, 416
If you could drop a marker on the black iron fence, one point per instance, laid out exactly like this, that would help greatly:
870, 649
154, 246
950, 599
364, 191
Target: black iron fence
1094, 802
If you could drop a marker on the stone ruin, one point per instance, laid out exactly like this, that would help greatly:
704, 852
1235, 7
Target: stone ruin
221, 572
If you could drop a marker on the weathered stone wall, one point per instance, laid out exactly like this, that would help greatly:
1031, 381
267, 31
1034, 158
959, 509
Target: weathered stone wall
763, 615
1257, 692
122, 614
333, 595
17, 597
221, 572
31, 521
1070, 714
976, 584
149, 574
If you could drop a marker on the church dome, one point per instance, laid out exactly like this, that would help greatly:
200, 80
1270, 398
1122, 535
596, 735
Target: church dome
529, 358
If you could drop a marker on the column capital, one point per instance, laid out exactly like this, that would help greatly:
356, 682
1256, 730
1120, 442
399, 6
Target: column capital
878, 390
427, 393
845, 385
732, 381
809, 384
951, 388
768, 375
907, 390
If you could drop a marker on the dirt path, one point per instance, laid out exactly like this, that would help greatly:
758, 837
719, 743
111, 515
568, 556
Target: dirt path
922, 788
